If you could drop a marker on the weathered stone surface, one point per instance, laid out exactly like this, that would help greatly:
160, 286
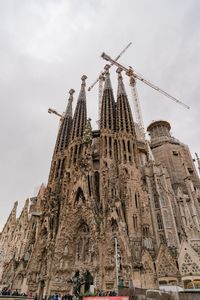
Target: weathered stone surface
106, 187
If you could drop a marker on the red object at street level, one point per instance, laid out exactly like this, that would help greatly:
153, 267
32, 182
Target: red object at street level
107, 298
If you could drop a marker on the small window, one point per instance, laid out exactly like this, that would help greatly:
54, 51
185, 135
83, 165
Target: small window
145, 230
175, 153
191, 171
135, 222
159, 221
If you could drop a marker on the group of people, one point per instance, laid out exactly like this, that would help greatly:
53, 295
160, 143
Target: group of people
9, 292
64, 297
55, 296
98, 293
103, 293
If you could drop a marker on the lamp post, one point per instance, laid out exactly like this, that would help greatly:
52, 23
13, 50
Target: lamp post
116, 265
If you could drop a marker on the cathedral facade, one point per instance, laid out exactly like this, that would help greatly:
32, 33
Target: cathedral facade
117, 208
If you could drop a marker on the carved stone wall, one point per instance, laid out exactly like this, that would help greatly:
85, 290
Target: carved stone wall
106, 194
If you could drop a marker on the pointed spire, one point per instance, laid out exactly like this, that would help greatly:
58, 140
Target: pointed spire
13, 213
80, 115
121, 88
24, 212
108, 104
124, 119
11, 221
107, 85
66, 124
69, 105
82, 95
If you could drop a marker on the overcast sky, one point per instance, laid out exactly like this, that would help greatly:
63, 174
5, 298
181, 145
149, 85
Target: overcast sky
46, 46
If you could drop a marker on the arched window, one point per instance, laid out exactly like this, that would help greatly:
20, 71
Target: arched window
145, 230
116, 150
156, 201
135, 224
80, 198
105, 146
129, 151
58, 168
159, 221
110, 146
124, 150
70, 157
89, 186
97, 185
137, 196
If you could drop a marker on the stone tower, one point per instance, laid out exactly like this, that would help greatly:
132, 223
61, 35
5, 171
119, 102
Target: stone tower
175, 157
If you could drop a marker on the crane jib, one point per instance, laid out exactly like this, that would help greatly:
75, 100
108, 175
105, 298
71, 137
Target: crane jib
108, 58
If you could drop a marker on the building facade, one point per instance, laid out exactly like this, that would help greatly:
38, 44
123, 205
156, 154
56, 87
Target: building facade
112, 204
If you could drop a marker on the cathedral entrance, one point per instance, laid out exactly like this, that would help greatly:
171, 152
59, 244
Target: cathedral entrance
88, 281
82, 284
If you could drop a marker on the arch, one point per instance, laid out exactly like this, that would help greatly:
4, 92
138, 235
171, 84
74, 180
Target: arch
89, 185
110, 146
129, 151
137, 197
114, 224
79, 198
58, 168
159, 221
83, 227
116, 150
97, 185
105, 146
62, 167
156, 200
145, 230
124, 150
135, 222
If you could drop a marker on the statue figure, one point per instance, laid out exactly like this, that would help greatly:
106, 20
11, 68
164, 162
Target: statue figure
87, 134
76, 282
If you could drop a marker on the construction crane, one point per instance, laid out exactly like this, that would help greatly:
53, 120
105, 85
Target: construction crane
53, 111
133, 76
198, 161
100, 79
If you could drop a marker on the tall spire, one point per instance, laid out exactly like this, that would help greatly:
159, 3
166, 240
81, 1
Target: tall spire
121, 88
107, 85
124, 119
66, 124
108, 104
80, 114
68, 111
11, 221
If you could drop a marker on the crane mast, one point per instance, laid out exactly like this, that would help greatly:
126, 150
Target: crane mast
137, 109
198, 161
53, 111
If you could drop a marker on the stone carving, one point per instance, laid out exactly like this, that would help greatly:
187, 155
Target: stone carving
103, 186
